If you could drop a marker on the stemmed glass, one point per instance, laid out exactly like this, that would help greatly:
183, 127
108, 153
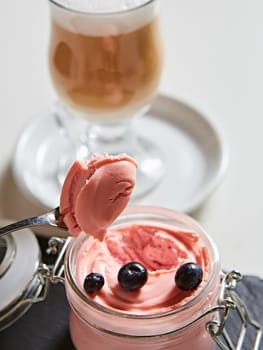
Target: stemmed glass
106, 60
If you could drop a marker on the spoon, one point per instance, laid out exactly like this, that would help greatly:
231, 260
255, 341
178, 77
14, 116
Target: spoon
52, 218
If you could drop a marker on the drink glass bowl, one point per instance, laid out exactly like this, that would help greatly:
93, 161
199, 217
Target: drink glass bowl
105, 63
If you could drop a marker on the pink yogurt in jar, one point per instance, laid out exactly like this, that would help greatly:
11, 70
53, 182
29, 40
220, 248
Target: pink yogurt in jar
159, 315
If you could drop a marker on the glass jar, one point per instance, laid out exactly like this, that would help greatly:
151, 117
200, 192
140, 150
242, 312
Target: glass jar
96, 327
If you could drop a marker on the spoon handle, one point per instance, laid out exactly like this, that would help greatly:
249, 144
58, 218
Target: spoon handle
47, 219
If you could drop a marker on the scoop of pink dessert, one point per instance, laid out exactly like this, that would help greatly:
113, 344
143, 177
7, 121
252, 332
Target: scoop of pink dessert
96, 192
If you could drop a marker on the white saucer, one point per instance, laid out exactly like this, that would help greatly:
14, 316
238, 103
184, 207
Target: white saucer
196, 164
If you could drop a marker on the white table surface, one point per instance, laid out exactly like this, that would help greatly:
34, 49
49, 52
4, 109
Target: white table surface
214, 62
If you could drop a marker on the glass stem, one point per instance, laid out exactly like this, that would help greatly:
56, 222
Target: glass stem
114, 137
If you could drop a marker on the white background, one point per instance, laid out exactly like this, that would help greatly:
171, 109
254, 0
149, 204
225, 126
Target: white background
214, 61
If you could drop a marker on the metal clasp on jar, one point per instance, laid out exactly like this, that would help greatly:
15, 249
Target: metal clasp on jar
229, 301
56, 246
37, 289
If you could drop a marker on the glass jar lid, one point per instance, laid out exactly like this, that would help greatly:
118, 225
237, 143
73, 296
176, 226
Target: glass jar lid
19, 263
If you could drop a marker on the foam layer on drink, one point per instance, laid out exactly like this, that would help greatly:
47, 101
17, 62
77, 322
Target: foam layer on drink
103, 18
101, 6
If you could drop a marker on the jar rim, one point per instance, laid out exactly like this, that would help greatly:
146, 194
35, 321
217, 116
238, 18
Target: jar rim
143, 210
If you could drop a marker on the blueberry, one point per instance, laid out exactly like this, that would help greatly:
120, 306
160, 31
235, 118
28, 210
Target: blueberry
132, 276
93, 282
188, 276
